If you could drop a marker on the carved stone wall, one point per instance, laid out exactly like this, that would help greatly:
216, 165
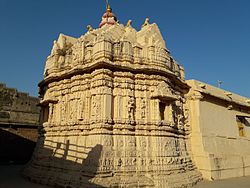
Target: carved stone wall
114, 114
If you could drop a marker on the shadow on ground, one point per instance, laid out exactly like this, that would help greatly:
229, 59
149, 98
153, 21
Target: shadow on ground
10, 177
14, 148
62, 164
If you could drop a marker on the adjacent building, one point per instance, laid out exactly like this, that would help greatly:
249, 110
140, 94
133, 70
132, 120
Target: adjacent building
220, 136
19, 120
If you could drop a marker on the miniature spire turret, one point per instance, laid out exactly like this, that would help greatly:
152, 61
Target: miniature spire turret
90, 28
146, 22
129, 23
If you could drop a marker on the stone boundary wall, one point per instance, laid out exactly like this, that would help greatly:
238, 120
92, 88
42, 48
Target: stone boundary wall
18, 107
19, 121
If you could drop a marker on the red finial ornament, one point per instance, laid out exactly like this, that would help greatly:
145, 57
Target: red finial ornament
108, 17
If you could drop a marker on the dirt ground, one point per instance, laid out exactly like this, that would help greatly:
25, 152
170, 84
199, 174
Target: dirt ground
10, 177
242, 182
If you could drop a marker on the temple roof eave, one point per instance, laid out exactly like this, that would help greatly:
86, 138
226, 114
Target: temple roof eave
107, 64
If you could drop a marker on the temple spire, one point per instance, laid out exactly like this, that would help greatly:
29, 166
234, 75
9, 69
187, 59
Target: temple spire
108, 17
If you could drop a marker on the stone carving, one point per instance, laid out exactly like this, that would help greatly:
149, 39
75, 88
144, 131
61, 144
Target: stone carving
55, 48
63, 48
90, 28
80, 109
108, 141
63, 110
51, 112
143, 109
110, 85
96, 106
146, 22
163, 91
196, 95
186, 119
129, 23
76, 52
178, 114
131, 108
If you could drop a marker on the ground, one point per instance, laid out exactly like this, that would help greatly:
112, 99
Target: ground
10, 177
242, 182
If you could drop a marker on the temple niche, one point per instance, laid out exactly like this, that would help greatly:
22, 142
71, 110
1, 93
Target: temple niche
114, 112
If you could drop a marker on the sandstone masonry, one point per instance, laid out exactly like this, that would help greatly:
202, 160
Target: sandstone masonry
114, 112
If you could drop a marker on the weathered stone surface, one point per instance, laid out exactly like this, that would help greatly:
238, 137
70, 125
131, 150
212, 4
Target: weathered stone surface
19, 120
114, 113
18, 108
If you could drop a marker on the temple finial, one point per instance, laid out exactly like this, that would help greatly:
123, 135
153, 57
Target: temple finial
107, 4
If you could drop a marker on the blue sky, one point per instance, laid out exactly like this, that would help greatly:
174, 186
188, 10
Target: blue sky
210, 38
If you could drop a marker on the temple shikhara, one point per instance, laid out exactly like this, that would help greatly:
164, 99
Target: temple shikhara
118, 112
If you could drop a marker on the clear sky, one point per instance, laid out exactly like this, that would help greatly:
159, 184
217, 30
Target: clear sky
210, 38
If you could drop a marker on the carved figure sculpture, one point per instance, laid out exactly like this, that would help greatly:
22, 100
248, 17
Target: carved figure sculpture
143, 108
131, 107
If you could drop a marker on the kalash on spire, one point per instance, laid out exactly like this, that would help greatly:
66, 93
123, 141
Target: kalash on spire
108, 17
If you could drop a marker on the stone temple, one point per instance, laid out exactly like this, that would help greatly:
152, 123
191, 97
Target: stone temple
116, 112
